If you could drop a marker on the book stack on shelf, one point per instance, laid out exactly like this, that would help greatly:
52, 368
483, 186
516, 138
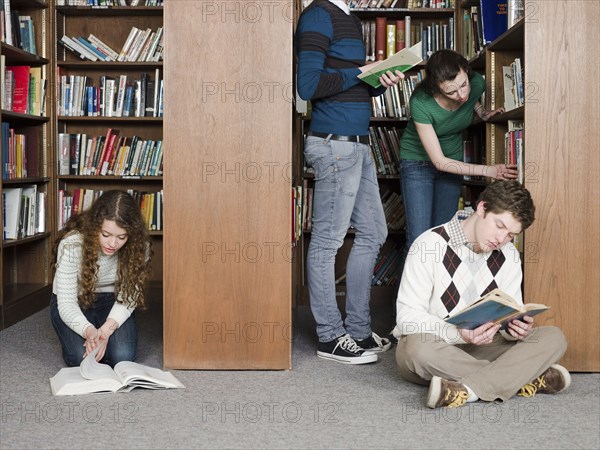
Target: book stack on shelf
385, 147
151, 204
125, 96
82, 154
512, 79
109, 107
389, 27
26, 191
394, 210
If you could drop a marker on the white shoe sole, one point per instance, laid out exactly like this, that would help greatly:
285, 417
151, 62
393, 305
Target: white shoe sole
365, 358
565, 373
435, 390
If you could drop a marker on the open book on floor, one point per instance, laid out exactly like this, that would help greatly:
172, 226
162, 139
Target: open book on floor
403, 60
496, 306
91, 377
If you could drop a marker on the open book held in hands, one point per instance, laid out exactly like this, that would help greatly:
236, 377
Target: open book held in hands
497, 307
91, 377
403, 60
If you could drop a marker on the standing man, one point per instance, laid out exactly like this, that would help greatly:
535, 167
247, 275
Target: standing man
448, 268
331, 54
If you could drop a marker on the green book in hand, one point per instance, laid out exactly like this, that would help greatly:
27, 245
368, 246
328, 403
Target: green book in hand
403, 60
497, 307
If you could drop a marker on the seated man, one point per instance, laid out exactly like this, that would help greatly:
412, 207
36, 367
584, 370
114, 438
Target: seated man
447, 269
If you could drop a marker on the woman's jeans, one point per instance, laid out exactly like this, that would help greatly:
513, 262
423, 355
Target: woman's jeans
346, 193
430, 197
121, 345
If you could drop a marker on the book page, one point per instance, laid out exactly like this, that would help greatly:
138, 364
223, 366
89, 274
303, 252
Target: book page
68, 381
134, 374
92, 370
402, 61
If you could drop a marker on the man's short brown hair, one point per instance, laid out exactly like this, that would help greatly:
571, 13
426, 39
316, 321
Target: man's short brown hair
511, 196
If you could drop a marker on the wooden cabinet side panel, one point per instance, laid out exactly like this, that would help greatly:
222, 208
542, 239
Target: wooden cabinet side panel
562, 135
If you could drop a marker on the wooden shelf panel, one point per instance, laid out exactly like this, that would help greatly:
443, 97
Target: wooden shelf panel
110, 10
15, 55
24, 241
10, 116
30, 180
511, 39
110, 65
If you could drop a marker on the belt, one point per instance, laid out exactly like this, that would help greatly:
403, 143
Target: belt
337, 137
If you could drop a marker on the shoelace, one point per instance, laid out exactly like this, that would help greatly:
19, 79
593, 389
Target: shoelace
377, 339
347, 343
530, 389
458, 398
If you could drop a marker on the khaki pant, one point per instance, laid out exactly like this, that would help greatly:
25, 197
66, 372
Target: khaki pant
494, 371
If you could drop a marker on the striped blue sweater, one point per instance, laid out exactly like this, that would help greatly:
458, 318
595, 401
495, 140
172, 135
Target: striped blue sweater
330, 50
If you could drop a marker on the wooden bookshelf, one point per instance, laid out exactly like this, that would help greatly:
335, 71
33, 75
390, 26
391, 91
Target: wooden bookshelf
112, 25
556, 46
385, 294
25, 260
227, 237
562, 166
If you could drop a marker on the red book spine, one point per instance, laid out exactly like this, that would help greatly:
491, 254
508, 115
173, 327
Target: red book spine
380, 38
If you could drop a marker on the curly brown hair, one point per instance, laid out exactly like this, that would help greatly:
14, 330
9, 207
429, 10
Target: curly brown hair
134, 257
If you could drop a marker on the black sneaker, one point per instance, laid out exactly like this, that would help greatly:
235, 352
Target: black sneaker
345, 350
374, 343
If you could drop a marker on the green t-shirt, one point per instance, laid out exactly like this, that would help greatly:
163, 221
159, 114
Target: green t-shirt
448, 125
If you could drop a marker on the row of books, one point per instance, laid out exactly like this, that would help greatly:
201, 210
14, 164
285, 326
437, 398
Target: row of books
140, 45
474, 150
17, 30
23, 211
82, 154
512, 78
105, 3
387, 271
151, 205
122, 97
385, 148
394, 210
383, 37
472, 42
302, 207
14, 153
409, 4
24, 89
513, 146
395, 101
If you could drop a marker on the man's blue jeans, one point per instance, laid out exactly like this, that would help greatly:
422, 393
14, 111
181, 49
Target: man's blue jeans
346, 193
430, 196
121, 345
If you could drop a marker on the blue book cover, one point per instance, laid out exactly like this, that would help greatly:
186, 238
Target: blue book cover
497, 307
494, 19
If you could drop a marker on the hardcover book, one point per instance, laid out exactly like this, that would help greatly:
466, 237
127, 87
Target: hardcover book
93, 377
497, 307
494, 19
403, 60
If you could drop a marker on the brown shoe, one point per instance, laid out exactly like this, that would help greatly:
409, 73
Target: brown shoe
552, 381
446, 393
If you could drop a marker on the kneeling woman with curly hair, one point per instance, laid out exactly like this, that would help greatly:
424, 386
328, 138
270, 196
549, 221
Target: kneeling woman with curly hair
102, 261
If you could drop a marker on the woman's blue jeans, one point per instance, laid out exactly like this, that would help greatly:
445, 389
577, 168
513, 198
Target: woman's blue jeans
430, 197
121, 345
346, 193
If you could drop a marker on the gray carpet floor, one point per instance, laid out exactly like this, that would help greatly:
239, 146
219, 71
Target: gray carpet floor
318, 404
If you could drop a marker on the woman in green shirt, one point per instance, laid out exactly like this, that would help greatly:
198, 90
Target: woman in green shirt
431, 149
